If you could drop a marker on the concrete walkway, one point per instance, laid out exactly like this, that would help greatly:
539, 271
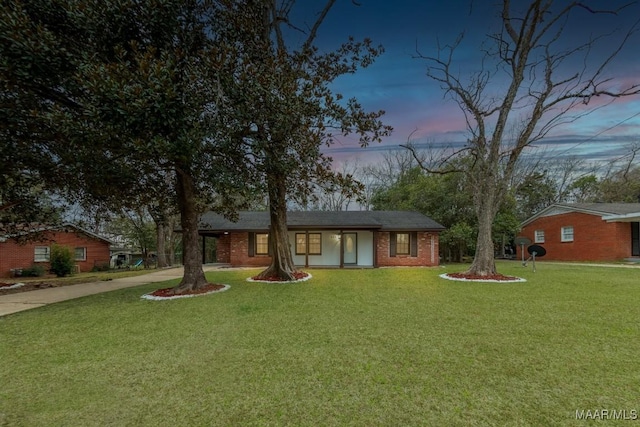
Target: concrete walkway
14, 303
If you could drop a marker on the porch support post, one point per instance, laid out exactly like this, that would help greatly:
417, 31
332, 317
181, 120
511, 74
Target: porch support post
306, 249
375, 249
341, 250
204, 247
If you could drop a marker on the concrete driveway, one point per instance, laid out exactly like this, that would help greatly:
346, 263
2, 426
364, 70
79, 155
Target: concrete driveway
14, 303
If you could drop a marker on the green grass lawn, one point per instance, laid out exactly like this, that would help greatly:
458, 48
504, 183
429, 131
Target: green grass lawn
383, 347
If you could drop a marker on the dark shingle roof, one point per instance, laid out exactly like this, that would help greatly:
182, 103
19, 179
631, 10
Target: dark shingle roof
379, 220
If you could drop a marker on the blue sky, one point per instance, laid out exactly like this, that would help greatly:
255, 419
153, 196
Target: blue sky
397, 81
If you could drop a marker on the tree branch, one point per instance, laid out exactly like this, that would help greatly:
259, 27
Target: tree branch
314, 30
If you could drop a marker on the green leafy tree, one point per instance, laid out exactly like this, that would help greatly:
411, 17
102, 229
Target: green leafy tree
457, 241
31, 67
129, 104
284, 100
585, 189
623, 186
445, 198
536, 191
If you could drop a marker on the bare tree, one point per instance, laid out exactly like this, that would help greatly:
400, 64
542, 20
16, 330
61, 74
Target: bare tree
529, 90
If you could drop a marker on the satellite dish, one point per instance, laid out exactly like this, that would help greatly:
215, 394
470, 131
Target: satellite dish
537, 251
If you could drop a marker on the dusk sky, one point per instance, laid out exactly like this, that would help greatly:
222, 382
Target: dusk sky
397, 81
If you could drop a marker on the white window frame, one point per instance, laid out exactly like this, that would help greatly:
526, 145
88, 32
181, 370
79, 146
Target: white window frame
567, 233
538, 236
41, 254
84, 254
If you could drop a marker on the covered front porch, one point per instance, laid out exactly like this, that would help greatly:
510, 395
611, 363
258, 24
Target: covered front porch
333, 248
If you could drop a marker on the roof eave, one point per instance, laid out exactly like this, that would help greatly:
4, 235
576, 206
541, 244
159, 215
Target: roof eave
630, 217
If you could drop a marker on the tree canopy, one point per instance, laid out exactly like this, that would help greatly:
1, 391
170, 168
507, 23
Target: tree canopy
282, 95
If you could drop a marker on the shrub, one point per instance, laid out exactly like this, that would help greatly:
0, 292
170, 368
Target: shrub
62, 263
104, 266
33, 271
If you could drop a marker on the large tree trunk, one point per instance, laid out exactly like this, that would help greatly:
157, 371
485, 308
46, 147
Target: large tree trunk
486, 200
161, 245
484, 261
193, 277
162, 234
282, 266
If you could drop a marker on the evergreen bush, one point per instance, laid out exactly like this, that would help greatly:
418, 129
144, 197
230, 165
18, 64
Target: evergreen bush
62, 262
33, 271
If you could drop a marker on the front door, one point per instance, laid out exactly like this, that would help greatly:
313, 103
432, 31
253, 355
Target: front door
350, 248
635, 239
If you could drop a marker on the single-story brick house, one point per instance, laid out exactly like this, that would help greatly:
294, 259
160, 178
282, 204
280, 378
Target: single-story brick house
329, 238
90, 249
586, 231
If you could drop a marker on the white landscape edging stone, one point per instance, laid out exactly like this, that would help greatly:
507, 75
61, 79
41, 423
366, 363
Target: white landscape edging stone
14, 286
457, 279
304, 279
151, 297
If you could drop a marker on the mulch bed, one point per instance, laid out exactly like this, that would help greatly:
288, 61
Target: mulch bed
477, 278
300, 276
167, 293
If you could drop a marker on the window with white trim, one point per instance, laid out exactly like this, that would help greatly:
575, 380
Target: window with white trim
538, 236
566, 234
41, 254
80, 254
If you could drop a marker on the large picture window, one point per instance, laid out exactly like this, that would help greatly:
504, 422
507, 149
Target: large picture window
313, 247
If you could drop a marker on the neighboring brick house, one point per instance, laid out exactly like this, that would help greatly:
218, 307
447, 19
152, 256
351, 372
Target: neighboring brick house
586, 231
34, 248
330, 239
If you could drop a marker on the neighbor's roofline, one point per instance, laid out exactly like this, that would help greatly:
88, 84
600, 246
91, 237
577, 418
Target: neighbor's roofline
606, 215
43, 228
630, 217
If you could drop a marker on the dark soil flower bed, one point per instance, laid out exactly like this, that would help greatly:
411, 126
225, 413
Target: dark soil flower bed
478, 278
299, 275
167, 293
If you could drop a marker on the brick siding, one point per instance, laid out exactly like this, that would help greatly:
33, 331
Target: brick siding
427, 256
239, 252
16, 256
233, 249
223, 249
593, 238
